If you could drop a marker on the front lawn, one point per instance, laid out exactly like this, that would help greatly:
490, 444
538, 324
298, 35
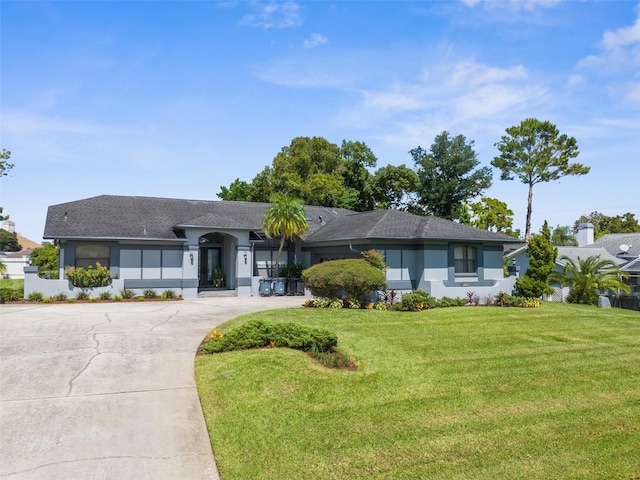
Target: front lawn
451, 393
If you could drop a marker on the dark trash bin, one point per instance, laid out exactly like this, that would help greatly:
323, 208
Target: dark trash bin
265, 287
279, 285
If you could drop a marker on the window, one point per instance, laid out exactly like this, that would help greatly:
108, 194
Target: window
91, 254
465, 259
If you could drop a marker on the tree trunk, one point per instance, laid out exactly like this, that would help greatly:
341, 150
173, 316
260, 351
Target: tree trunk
276, 270
527, 232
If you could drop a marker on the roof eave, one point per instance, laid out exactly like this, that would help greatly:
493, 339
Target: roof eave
111, 239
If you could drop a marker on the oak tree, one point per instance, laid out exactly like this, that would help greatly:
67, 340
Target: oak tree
448, 176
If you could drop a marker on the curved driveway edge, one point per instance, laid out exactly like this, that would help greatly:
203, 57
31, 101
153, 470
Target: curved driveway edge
107, 390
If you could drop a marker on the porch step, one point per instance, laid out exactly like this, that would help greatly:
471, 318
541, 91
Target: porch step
217, 293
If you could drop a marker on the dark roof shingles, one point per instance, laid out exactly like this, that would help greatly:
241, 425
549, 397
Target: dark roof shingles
109, 216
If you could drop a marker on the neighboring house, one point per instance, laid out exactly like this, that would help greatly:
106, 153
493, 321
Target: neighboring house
623, 249
626, 247
184, 245
16, 261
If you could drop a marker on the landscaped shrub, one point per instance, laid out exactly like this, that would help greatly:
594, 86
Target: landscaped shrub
8, 294
415, 302
126, 293
90, 277
353, 303
47, 260
293, 270
149, 293
60, 297
375, 258
355, 278
389, 297
513, 301
105, 295
36, 297
258, 334
335, 303
168, 294
531, 287
82, 295
445, 302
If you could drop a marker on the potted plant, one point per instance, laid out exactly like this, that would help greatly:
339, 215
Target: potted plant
218, 277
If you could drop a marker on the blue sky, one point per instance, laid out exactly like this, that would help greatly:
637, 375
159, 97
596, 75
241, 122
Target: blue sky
176, 98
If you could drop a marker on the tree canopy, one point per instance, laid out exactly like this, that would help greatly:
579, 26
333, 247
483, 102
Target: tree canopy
448, 176
536, 152
603, 224
9, 241
394, 186
5, 166
563, 236
492, 214
46, 258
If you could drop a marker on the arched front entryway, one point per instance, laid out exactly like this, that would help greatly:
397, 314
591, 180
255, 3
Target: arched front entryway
214, 265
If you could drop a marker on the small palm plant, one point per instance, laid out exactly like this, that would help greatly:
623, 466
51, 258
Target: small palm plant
285, 217
589, 277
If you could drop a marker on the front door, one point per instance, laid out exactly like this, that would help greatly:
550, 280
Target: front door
211, 273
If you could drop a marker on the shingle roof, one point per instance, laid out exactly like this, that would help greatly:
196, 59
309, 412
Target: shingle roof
398, 225
114, 217
585, 252
612, 241
110, 216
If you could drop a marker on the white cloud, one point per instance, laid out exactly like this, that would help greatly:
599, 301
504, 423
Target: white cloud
275, 15
619, 58
472, 73
467, 96
622, 37
632, 94
315, 40
512, 4
620, 50
18, 123
575, 80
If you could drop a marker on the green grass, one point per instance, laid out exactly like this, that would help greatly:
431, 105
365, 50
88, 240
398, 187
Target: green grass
455, 393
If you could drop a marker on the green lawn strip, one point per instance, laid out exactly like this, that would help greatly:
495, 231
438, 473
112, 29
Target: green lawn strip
447, 393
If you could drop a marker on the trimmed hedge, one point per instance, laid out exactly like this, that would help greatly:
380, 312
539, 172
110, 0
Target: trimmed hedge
11, 294
258, 334
356, 278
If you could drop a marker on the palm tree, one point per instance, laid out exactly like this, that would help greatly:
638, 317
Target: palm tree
589, 277
285, 217
563, 237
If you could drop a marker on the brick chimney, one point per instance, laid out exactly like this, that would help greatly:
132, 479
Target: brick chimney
585, 234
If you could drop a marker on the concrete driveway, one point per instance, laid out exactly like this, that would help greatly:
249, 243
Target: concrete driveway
93, 391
